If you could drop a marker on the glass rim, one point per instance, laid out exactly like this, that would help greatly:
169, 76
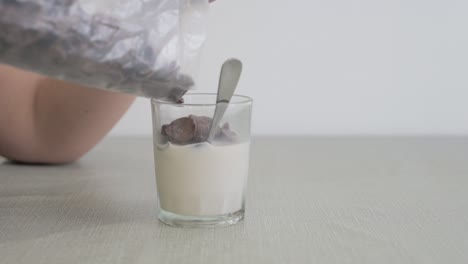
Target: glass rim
244, 100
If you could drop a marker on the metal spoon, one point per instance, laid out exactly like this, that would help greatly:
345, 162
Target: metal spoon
228, 79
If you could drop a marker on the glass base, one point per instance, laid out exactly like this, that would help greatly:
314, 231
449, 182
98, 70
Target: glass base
201, 221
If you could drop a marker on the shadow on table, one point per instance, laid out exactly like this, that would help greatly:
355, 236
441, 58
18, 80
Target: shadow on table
38, 201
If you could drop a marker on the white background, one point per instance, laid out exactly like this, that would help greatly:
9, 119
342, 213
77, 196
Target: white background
340, 66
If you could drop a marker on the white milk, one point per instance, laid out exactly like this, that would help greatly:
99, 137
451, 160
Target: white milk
201, 179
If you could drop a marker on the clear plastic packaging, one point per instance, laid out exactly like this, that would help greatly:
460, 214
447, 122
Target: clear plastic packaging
148, 48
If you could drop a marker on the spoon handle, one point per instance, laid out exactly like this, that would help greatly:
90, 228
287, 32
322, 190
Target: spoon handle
228, 79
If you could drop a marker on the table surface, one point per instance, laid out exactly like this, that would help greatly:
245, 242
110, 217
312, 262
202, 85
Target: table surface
323, 200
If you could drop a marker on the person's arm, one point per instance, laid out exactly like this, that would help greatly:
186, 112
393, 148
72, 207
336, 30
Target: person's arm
49, 121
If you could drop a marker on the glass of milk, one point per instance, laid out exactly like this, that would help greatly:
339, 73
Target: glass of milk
201, 183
